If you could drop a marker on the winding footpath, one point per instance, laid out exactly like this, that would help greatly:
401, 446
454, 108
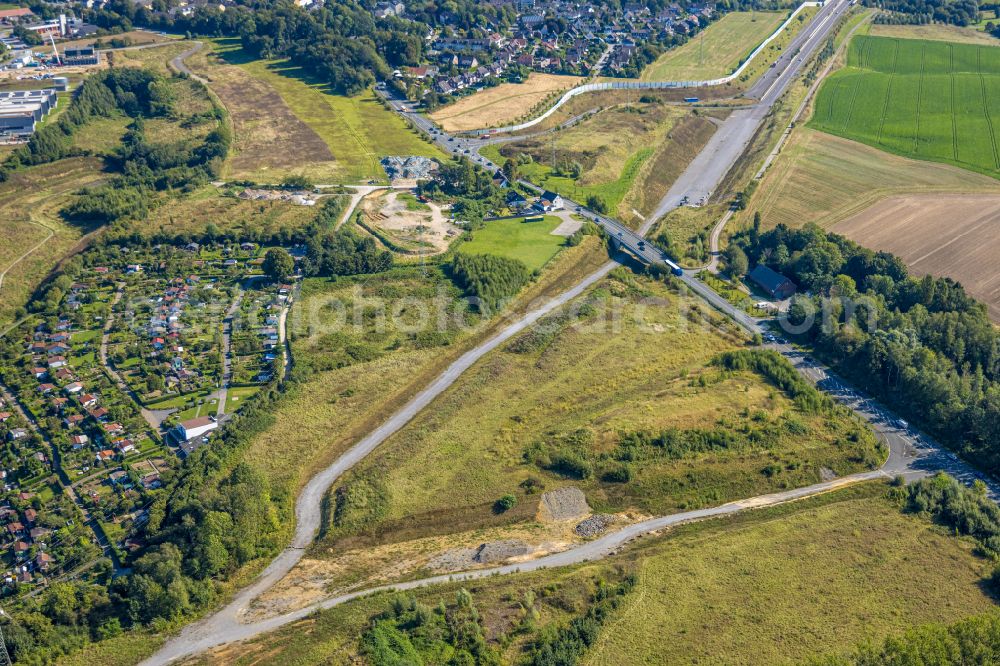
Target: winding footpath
909, 454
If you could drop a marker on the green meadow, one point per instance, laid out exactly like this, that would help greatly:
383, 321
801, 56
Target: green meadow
931, 100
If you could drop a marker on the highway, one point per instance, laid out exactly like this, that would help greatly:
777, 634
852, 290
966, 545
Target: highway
703, 176
909, 453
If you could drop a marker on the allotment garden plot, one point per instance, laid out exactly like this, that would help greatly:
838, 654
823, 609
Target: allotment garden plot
169, 338
927, 99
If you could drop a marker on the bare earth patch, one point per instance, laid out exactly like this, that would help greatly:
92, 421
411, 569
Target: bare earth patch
940, 234
425, 231
316, 578
267, 134
501, 105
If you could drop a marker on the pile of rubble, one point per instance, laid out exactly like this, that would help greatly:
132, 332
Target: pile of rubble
409, 168
490, 552
297, 198
562, 504
596, 525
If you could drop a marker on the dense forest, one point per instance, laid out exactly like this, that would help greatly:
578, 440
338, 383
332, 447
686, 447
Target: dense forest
922, 345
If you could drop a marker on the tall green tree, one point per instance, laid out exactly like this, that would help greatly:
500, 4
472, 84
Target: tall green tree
278, 264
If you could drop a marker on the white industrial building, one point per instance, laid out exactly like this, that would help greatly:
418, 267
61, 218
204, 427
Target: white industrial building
20, 110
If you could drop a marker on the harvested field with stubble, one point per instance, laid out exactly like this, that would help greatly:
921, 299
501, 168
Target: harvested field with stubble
824, 179
935, 31
953, 235
503, 104
940, 219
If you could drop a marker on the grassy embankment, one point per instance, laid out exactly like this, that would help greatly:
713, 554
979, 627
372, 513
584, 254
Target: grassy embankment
344, 393
718, 50
770, 586
628, 154
632, 365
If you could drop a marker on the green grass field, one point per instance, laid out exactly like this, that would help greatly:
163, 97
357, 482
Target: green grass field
357, 130
633, 362
926, 99
718, 50
777, 589
530, 242
237, 396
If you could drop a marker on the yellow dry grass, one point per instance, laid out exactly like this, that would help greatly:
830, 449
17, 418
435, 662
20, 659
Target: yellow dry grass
36, 238
501, 105
824, 179
940, 32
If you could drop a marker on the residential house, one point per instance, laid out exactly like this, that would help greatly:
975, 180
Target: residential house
773, 283
550, 201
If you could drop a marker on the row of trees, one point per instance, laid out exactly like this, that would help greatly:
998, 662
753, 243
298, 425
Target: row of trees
922, 345
956, 12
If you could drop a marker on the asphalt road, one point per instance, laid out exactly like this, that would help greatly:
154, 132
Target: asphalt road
909, 453
700, 180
